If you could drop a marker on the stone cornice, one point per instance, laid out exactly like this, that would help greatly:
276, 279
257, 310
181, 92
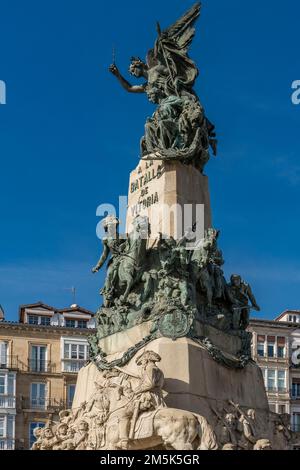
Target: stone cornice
274, 324
60, 330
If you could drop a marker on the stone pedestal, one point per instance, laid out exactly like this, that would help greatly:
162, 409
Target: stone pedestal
172, 195
194, 381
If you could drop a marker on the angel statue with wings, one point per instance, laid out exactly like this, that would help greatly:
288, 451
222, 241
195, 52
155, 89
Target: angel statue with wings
178, 129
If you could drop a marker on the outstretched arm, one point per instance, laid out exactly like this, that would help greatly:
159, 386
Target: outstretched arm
252, 299
102, 259
125, 84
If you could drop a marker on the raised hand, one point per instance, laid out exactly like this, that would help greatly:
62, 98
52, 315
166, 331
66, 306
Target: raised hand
114, 70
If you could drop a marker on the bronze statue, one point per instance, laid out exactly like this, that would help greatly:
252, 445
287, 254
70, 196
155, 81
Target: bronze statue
179, 128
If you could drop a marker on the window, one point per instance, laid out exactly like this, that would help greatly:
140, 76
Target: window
271, 346
38, 359
10, 427
295, 390
33, 319
272, 407
261, 349
7, 426
2, 384
72, 323
70, 394
281, 352
2, 426
32, 427
296, 422
75, 351
3, 354
11, 384
75, 356
7, 384
281, 380
38, 395
281, 347
45, 321
271, 379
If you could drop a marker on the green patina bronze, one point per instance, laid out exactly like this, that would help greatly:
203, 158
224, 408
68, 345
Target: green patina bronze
178, 129
171, 285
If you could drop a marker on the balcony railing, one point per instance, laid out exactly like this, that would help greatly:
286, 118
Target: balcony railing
7, 401
73, 365
9, 362
295, 397
272, 358
277, 390
22, 444
41, 366
7, 444
42, 404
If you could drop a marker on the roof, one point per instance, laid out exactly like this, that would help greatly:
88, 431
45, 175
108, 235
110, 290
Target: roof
42, 305
76, 308
287, 312
274, 323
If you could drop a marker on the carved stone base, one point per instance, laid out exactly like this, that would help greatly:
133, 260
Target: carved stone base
196, 383
188, 402
193, 380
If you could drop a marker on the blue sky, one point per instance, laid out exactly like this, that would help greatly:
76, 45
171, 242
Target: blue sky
69, 136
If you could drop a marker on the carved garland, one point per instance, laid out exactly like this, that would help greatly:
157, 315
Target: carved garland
221, 358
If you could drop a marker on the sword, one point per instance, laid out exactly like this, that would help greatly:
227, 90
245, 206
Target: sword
114, 55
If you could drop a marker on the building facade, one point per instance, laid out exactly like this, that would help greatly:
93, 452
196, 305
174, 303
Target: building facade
40, 356
276, 349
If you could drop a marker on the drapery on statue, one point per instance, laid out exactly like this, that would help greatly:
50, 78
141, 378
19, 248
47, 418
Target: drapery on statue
178, 129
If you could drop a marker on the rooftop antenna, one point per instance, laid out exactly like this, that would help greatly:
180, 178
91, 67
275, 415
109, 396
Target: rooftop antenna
73, 293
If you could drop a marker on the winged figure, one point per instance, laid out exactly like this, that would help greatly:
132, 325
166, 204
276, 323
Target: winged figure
167, 64
179, 128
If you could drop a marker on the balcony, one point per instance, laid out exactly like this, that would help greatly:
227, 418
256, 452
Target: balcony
41, 367
266, 358
9, 362
22, 444
277, 390
294, 397
42, 404
73, 365
7, 444
7, 401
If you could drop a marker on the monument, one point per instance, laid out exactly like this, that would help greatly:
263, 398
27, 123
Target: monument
171, 363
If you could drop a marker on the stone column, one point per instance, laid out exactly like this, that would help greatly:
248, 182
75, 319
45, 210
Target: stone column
172, 195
